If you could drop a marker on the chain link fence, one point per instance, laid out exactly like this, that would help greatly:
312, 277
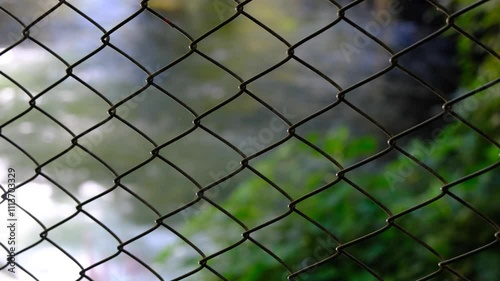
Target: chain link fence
338, 250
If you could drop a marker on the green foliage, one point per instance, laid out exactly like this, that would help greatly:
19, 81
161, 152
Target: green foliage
399, 183
485, 29
445, 225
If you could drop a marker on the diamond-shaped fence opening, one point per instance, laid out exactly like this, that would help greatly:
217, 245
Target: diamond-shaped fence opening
249, 140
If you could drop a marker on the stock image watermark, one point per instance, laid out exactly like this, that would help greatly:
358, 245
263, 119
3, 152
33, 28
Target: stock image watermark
12, 220
380, 19
224, 8
439, 136
250, 145
325, 248
97, 136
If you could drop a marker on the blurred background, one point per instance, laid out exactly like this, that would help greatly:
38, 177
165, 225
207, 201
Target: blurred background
338, 58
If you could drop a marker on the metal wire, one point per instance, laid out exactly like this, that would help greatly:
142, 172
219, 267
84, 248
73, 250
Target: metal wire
343, 247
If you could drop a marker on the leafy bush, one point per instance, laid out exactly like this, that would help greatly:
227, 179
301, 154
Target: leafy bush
400, 183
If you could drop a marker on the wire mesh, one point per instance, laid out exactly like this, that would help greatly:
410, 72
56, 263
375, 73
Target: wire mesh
342, 248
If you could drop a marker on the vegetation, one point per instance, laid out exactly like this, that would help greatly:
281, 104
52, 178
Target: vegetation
396, 181
446, 225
